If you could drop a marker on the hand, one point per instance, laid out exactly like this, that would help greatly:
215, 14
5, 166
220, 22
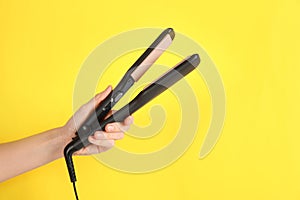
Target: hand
101, 140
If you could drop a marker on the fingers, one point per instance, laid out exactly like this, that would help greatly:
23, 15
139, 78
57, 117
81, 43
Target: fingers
128, 121
102, 143
101, 96
103, 140
93, 149
103, 146
100, 135
119, 126
92, 104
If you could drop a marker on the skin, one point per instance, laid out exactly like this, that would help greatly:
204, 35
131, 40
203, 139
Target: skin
26, 154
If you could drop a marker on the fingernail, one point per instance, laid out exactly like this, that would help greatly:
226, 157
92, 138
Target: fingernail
107, 88
129, 120
110, 128
99, 136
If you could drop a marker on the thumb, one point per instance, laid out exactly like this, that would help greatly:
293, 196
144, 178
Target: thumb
101, 96
87, 108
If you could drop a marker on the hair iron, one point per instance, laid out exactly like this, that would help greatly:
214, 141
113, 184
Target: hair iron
96, 121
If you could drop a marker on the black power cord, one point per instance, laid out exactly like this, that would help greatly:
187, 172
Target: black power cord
75, 191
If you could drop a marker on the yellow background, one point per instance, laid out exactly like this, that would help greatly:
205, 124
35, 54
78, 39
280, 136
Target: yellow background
255, 45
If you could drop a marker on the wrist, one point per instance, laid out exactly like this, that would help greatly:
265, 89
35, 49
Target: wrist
65, 135
61, 140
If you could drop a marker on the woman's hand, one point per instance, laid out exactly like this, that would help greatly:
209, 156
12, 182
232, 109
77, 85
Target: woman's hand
102, 140
28, 153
